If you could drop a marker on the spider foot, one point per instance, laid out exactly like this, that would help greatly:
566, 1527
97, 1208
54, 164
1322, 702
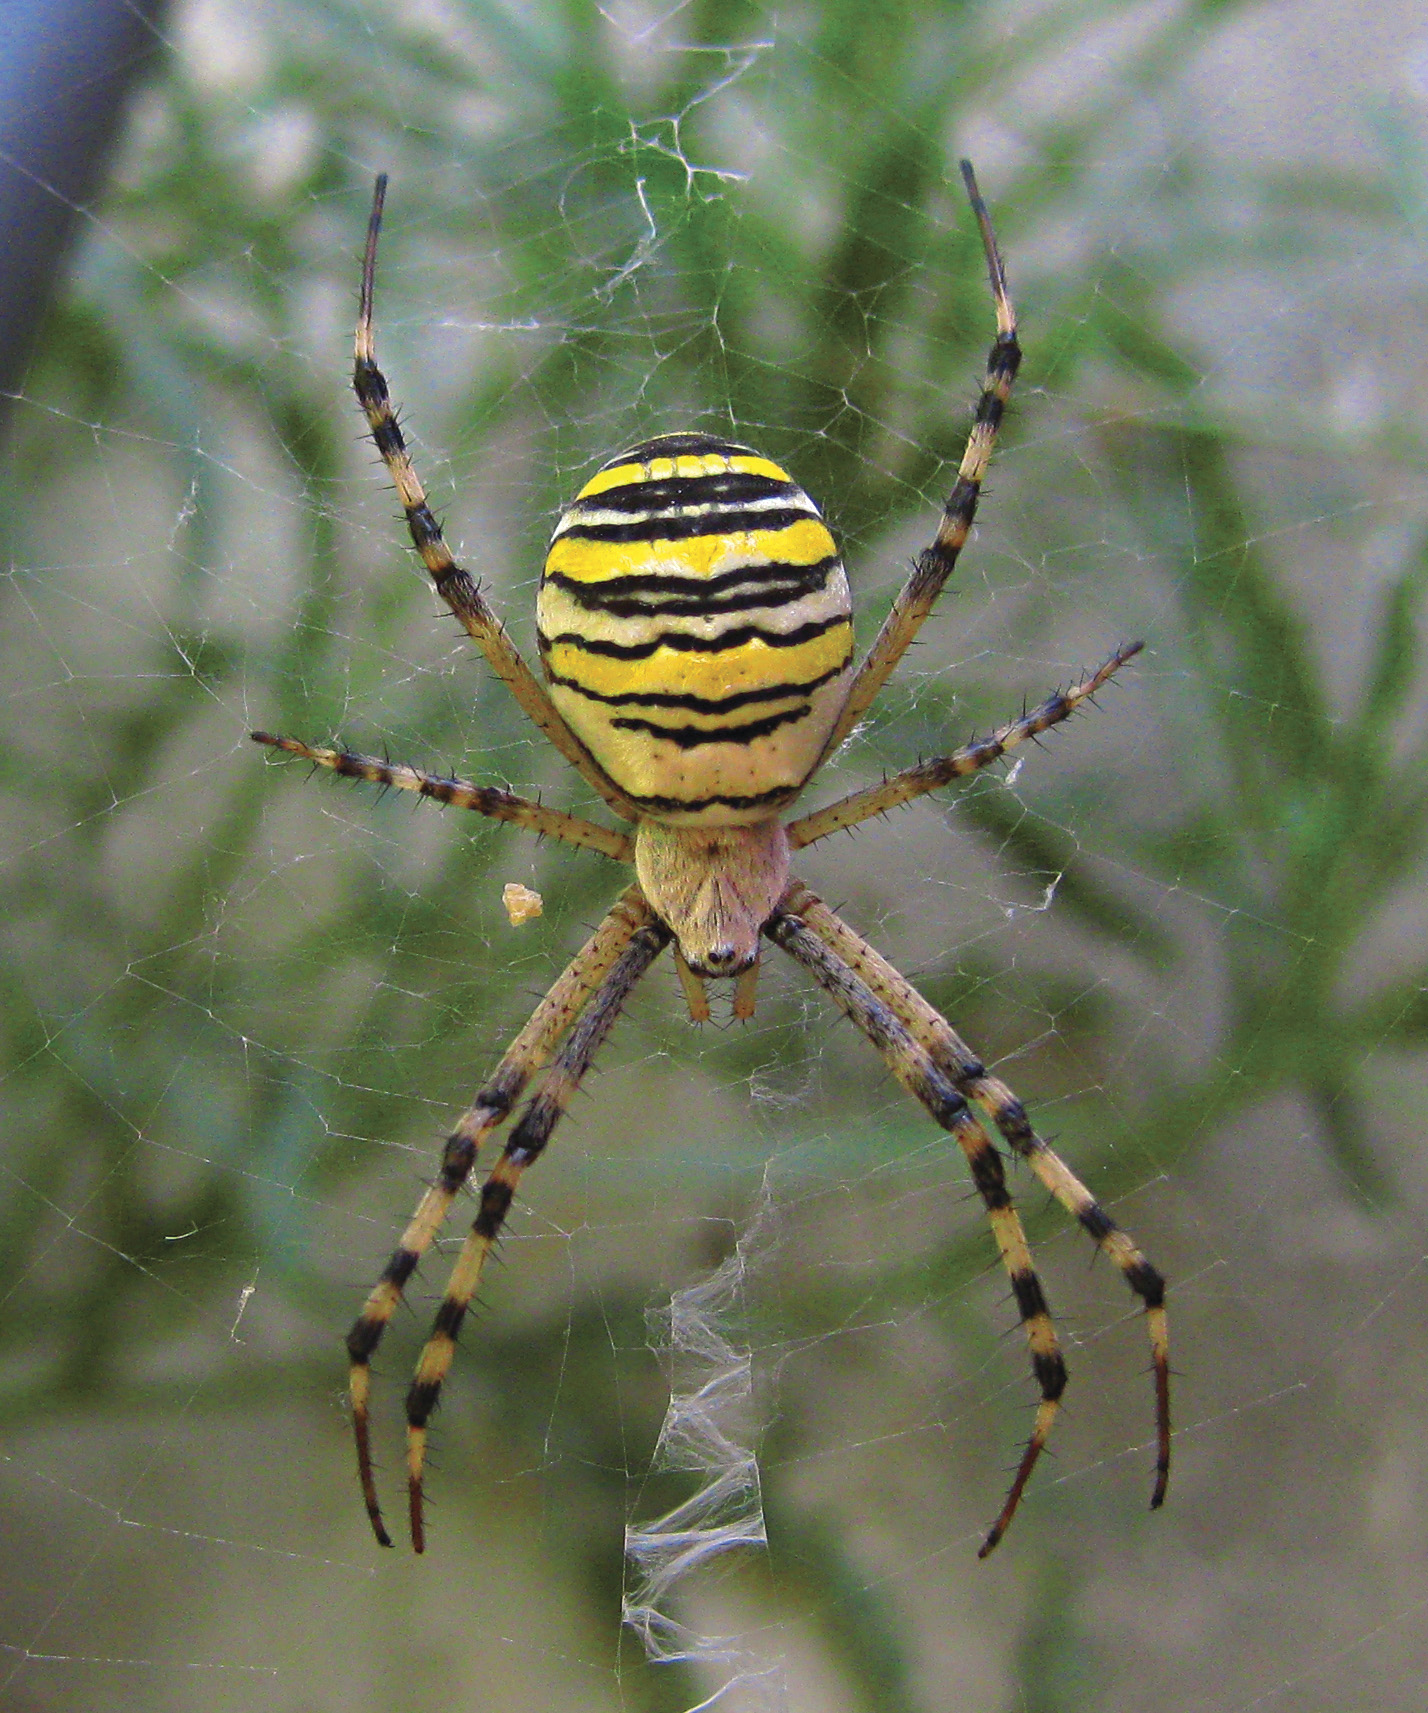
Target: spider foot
1045, 1415
1160, 1360
416, 1514
359, 1381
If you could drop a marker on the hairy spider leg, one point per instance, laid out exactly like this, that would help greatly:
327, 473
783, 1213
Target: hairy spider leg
931, 775
746, 992
557, 1012
693, 986
524, 1145
455, 586
969, 1075
488, 800
927, 1081
934, 565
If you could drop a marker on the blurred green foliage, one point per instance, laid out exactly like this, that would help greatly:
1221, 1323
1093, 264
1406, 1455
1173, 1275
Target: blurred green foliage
225, 1001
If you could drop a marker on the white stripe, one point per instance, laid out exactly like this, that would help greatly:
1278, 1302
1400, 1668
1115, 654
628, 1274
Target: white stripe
587, 514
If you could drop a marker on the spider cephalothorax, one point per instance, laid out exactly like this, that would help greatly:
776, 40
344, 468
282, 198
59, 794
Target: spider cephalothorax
695, 633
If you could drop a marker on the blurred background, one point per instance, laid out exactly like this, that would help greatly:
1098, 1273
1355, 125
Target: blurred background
244, 1005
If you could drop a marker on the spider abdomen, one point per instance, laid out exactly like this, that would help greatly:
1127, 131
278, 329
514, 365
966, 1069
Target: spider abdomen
694, 626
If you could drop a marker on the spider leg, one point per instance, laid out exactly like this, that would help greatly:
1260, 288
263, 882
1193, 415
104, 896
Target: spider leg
525, 1143
746, 992
560, 1008
927, 1081
942, 770
934, 565
968, 1074
692, 986
484, 799
455, 586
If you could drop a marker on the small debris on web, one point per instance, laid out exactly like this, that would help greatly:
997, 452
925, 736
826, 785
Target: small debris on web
521, 903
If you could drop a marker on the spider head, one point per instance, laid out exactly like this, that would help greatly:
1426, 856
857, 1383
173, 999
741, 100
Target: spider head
713, 887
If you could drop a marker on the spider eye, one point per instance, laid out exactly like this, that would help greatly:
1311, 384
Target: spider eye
722, 960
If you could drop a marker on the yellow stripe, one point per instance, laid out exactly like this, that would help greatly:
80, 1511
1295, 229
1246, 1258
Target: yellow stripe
802, 543
671, 671
661, 469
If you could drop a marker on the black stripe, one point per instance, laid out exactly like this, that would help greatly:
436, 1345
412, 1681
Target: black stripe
449, 1318
365, 1336
459, 1156
1030, 1298
400, 1268
694, 607
990, 410
1004, 359
647, 594
422, 1396
425, 530
683, 643
1143, 1278
1050, 1372
657, 582
681, 528
496, 1198
1011, 1119
691, 737
987, 1174
692, 704
656, 804
688, 444
732, 487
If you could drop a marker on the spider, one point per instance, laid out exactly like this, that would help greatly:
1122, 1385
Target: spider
694, 624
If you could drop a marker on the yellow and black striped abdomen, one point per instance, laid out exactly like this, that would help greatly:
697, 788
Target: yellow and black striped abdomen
694, 625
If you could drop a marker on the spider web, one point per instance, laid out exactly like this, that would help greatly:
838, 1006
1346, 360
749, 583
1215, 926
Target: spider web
1187, 930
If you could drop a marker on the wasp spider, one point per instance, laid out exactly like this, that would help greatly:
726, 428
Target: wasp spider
695, 634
